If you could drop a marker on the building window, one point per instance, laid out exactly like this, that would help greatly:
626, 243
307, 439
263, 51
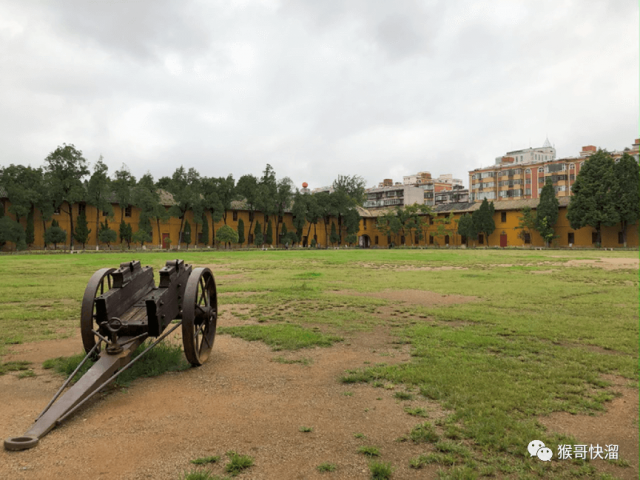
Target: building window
620, 238
430, 239
56, 210
104, 214
279, 218
527, 171
540, 170
527, 237
235, 215
251, 216
481, 239
82, 208
503, 217
127, 211
446, 239
266, 219
402, 240
594, 237
572, 166
430, 220
463, 239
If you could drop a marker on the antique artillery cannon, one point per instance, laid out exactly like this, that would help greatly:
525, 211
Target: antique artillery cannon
121, 309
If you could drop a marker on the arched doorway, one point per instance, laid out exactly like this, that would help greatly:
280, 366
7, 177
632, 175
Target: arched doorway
364, 241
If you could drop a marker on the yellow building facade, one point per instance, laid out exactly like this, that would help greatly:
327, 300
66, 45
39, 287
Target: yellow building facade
507, 233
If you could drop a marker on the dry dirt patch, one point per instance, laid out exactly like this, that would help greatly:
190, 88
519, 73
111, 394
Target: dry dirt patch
239, 400
412, 297
617, 426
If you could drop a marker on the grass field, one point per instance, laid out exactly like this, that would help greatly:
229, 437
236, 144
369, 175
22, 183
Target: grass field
536, 340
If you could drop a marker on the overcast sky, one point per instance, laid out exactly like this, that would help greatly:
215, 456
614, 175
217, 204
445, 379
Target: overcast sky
316, 88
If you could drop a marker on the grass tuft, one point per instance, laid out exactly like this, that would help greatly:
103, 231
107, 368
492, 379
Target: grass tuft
237, 463
16, 366
306, 429
380, 470
403, 396
369, 451
424, 433
416, 412
326, 467
286, 361
205, 460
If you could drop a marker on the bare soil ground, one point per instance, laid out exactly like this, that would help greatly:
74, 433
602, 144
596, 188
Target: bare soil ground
239, 400
244, 401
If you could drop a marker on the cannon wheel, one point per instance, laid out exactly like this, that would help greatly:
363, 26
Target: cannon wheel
199, 316
100, 283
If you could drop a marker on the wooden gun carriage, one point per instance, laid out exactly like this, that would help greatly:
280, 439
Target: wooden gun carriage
121, 308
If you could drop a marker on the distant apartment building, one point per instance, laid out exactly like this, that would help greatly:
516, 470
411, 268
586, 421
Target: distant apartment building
393, 196
459, 194
524, 179
431, 186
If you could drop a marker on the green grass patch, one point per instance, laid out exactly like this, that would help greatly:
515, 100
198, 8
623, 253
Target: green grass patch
305, 429
162, 358
369, 451
424, 433
326, 467
15, 366
416, 412
403, 396
282, 337
237, 463
380, 470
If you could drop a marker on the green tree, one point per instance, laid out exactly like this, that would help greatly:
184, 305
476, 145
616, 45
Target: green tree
11, 231
283, 232
268, 238
142, 237
107, 235
467, 228
592, 203
291, 238
241, 232
626, 198
284, 195
226, 189
185, 187
146, 197
527, 223
98, 194
483, 219
122, 186
267, 191
29, 232
126, 233
547, 212
66, 168
211, 202
334, 237
299, 212
205, 229
313, 213
247, 187
258, 238
55, 234
144, 233
186, 235
227, 235
82, 230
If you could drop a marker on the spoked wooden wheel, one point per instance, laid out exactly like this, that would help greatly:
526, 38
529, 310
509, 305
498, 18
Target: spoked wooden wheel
199, 316
100, 283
